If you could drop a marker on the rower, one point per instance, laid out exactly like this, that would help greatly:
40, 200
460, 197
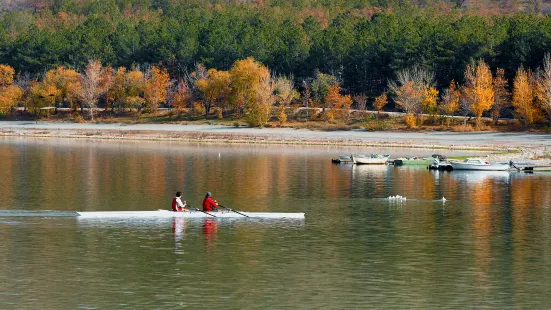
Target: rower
209, 204
177, 205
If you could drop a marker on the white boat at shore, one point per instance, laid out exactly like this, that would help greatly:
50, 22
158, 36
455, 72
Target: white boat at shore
373, 159
479, 164
191, 214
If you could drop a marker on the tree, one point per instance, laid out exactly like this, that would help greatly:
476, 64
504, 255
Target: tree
449, 103
478, 90
361, 101
252, 90
91, 85
117, 91
179, 95
135, 84
156, 84
6, 75
543, 88
380, 102
429, 101
215, 87
9, 96
523, 96
285, 93
67, 84
320, 88
10, 93
338, 104
501, 95
413, 90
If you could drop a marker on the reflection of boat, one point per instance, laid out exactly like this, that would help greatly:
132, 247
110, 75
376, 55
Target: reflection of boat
373, 159
478, 164
473, 177
192, 214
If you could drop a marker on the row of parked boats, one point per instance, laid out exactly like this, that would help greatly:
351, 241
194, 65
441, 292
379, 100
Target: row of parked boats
435, 162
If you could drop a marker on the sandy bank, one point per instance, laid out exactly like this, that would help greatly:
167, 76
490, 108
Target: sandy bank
219, 133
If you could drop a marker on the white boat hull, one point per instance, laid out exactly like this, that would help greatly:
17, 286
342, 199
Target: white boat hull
192, 214
480, 167
369, 160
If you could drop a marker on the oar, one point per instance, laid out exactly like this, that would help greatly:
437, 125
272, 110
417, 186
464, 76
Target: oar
234, 211
195, 209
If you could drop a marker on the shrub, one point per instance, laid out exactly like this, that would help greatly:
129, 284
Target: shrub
410, 120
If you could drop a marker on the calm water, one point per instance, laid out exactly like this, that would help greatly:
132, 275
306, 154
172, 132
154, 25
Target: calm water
488, 246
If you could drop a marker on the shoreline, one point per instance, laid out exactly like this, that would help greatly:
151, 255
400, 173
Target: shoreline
483, 141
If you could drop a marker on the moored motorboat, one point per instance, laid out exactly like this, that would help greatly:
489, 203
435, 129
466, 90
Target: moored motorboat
191, 214
479, 164
373, 159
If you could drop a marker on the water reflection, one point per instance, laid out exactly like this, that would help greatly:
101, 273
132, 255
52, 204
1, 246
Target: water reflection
489, 246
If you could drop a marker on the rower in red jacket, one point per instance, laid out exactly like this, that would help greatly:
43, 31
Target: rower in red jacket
209, 204
177, 205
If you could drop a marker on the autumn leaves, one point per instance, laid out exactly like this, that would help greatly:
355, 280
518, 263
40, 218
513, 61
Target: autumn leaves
482, 92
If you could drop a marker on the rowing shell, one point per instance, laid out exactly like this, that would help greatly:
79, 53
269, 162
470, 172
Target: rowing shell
191, 214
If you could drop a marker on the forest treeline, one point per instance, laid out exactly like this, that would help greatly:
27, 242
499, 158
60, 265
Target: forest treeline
361, 42
369, 48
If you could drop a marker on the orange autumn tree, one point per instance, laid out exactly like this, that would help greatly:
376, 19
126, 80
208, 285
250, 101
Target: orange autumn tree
478, 90
10, 93
215, 87
156, 84
338, 104
523, 96
449, 103
380, 102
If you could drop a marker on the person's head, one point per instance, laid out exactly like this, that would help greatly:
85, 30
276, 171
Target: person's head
208, 194
178, 194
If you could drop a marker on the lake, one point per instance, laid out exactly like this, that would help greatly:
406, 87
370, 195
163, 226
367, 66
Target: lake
487, 246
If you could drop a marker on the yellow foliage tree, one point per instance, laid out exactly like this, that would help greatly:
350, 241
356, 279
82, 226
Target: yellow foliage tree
478, 90
117, 90
156, 86
252, 89
134, 85
6, 75
523, 96
67, 83
9, 96
429, 101
338, 104
214, 87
